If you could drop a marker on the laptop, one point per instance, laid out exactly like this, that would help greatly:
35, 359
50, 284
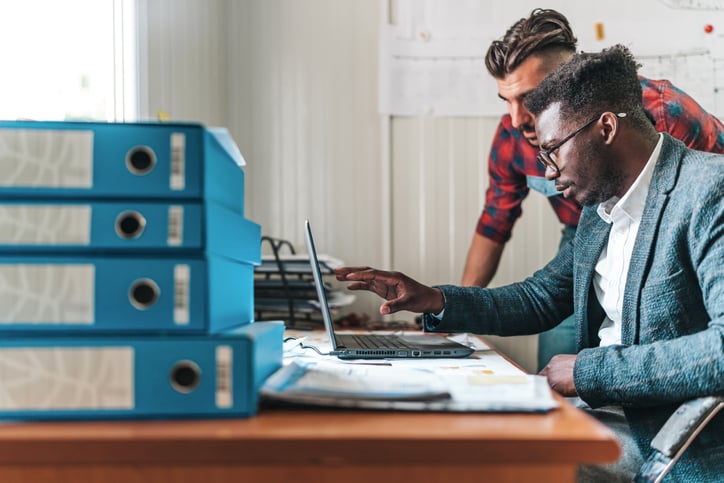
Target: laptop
377, 346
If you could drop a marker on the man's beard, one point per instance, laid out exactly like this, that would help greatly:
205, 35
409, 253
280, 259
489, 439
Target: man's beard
608, 185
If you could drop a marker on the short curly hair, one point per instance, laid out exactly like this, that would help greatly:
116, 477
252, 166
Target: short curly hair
590, 84
544, 32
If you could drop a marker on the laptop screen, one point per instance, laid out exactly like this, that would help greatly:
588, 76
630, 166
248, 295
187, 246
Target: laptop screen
317, 274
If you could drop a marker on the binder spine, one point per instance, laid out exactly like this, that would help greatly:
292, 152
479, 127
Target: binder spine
99, 226
83, 160
55, 378
117, 294
127, 227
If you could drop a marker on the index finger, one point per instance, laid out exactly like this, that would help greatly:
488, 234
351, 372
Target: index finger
342, 272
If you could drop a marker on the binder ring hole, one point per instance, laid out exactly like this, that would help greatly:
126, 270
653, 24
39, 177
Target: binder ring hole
130, 224
144, 293
185, 376
140, 160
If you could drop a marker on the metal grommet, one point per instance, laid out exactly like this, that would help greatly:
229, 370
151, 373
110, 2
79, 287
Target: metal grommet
130, 225
143, 293
185, 376
140, 160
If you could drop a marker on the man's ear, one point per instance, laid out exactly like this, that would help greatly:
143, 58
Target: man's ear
609, 126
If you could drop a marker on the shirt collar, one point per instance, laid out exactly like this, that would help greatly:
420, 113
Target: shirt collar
632, 203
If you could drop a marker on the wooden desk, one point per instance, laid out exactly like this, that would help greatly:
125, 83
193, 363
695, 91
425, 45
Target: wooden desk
309, 446
319, 446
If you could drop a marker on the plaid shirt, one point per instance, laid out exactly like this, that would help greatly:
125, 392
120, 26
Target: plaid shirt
513, 169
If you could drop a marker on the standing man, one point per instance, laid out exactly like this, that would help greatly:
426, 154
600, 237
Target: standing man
644, 274
530, 49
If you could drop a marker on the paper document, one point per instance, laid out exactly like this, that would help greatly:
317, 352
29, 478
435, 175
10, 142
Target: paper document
328, 383
483, 383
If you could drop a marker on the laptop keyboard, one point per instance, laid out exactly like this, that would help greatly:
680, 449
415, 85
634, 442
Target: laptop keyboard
373, 341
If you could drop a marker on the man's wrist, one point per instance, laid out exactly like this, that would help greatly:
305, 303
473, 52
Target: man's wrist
438, 307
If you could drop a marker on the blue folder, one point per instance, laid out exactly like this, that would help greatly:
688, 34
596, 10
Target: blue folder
191, 294
120, 160
183, 376
127, 227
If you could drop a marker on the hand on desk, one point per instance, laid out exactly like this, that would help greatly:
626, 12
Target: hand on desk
559, 372
400, 291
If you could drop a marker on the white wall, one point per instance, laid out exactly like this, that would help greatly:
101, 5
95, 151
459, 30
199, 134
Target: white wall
302, 102
183, 51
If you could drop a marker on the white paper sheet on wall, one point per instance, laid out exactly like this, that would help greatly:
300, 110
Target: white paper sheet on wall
437, 77
431, 60
695, 4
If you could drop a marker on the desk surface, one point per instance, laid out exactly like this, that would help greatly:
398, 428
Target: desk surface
309, 445
309, 436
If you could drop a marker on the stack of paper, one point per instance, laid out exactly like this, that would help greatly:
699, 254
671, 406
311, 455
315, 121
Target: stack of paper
284, 288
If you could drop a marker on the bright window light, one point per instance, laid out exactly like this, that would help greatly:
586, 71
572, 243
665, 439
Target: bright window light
68, 60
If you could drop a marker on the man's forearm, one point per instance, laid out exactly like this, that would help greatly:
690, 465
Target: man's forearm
482, 261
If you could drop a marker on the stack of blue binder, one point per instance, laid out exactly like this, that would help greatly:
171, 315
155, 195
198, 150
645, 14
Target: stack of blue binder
126, 273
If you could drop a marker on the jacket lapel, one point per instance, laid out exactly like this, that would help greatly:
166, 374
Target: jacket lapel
592, 236
662, 182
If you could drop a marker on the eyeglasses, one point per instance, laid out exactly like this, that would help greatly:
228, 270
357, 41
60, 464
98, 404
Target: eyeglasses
548, 157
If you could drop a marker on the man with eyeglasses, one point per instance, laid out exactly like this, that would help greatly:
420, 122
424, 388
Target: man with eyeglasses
547, 157
529, 50
644, 274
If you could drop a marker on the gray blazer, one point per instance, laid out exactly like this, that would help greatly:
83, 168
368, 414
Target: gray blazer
673, 310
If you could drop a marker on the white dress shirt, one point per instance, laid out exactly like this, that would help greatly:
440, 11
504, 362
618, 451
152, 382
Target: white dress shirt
609, 279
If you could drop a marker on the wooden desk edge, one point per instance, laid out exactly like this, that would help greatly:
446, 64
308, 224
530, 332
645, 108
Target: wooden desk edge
291, 437
315, 437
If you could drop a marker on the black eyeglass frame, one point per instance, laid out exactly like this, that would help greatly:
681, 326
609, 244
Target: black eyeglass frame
546, 157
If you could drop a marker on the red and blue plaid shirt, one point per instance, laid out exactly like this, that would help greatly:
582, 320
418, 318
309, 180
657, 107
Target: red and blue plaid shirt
513, 160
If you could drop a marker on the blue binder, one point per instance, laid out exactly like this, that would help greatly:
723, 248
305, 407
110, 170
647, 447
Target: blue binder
124, 294
127, 227
120, 160
52, 378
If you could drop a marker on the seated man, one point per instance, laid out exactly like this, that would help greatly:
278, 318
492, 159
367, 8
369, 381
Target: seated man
644, 274
530, 49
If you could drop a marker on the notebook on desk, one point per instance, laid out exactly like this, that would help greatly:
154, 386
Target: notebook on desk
377, 346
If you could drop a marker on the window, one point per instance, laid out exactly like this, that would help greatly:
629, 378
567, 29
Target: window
68, 60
